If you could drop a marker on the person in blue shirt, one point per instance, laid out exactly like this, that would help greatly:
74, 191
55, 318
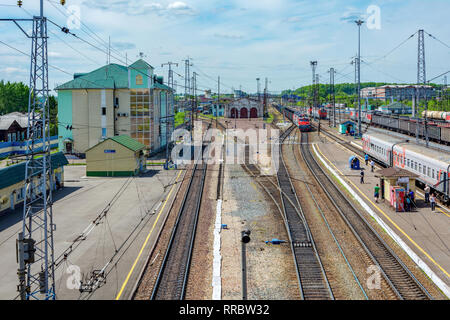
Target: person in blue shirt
366, 157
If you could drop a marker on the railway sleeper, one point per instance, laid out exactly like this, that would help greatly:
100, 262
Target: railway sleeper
303, 244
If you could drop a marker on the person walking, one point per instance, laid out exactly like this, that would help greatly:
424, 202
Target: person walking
433, 202
362, 177
427, 194
412, 197
366, 157
377, 193
407, 203
372, 166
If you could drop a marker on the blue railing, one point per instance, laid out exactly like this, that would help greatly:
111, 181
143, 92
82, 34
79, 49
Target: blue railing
19, 147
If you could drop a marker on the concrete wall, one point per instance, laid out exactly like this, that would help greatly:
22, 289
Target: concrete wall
87, 117
122, 161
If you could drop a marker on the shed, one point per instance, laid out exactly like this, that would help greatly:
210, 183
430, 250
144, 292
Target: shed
350, 125
393, 180
119, 156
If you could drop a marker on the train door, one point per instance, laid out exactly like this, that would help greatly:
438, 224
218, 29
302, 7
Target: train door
11, 200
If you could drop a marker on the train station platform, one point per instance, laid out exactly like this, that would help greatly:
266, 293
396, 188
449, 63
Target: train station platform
423, 234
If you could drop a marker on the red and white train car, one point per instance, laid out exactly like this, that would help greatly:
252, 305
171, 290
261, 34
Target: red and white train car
431, 165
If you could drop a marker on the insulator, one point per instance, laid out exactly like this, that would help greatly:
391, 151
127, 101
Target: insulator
19, 3
63, 2
42, 282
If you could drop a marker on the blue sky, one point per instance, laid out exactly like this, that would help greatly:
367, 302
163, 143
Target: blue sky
238, 40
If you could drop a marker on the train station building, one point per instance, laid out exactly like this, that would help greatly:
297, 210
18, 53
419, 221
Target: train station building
111, 101
244, 108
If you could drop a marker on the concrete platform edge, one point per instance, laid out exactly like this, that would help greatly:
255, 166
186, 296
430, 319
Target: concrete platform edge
430, 273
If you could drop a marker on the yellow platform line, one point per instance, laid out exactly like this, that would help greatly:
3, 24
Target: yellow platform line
362, 159
146, 240
387, 217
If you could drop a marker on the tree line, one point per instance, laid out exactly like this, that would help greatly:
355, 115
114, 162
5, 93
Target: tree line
14, 98
346, 93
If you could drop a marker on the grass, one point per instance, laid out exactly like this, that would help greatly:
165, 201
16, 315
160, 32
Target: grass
270, 118
179, 118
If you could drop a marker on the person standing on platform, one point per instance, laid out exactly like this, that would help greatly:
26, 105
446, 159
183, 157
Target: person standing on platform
433, 202
366, 157
372, 166
411, 196
427, 194
377, 193
362, 177
407, 203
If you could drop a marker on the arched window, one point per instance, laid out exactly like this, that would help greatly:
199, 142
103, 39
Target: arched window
139, 80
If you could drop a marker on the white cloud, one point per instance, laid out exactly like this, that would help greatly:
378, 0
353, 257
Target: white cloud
54, 54
231, 36
178, 5
12, 70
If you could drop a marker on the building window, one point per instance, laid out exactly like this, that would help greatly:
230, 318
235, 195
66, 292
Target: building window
103, 132
141, 115
19, 193
103, 111
139, 80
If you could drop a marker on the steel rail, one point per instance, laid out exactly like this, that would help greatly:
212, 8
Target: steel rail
394, 271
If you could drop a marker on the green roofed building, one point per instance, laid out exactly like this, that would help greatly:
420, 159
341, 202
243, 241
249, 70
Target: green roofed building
119, 156
111, 101
12, 182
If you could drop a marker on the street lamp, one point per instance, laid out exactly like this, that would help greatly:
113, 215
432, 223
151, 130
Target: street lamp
359, 23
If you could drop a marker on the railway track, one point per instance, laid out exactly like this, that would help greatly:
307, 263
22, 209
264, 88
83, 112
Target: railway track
312, 279
395, 273
172, 278
173, 275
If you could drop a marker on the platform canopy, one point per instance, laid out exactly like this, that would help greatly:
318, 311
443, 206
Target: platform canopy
395, 173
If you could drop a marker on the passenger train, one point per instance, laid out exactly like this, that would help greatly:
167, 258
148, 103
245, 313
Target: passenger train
431, 166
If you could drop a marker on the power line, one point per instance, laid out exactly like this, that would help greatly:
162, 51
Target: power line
100, 40
438, 40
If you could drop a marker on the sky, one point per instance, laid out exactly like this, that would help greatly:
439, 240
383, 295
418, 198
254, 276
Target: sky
236, 40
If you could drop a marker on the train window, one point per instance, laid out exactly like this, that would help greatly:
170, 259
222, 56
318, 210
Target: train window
415, 165
429, 173
407, 161
424, 169
420, 168
432, 173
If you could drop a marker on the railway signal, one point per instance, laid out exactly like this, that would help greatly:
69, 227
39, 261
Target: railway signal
245, 238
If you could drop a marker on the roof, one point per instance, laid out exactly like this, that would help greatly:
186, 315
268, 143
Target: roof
395, 173
129, 142
396, 105
125, 141
107, 77
16, 173
8, 119
158, 85
140, 65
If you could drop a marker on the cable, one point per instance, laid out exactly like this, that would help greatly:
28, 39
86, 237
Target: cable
390, 52
102, 42
438, 40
